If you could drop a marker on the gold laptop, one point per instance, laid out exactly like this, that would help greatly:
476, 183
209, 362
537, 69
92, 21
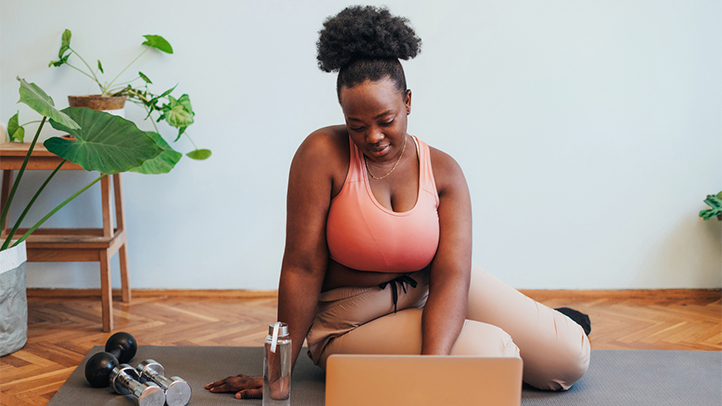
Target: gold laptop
416, 380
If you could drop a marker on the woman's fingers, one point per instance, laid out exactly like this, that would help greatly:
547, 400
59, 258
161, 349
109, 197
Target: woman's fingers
235, 383
250, 394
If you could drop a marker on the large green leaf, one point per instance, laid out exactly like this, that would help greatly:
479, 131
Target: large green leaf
15, 131
105, 143
158, 42
164, 162
32, 95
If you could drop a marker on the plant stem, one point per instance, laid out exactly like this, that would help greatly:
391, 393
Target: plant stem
156, 127
128, 82
30, 122
60, 206
190, 139
82, 71
29, 205
6, 209
126, 68
86, 64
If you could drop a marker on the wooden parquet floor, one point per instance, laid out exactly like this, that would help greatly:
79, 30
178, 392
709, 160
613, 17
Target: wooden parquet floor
63, 329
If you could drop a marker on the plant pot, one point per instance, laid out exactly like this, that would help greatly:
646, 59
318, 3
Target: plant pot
113, 105
13, 300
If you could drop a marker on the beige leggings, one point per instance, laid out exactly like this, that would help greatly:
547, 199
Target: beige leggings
501, 322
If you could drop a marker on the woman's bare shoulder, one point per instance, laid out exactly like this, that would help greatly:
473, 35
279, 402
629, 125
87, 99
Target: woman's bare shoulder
326, 142
447, 172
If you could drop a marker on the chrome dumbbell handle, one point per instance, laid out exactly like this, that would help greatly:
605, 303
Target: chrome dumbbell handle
177, 390
125, 381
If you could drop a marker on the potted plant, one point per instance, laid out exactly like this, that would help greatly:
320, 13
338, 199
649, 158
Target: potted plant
99, 142
715, 202
177, 113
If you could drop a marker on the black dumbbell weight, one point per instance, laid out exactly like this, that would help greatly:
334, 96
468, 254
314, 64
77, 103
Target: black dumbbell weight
120, 348
105, 369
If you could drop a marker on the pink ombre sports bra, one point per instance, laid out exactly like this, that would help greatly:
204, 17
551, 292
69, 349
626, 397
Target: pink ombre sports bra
364, 235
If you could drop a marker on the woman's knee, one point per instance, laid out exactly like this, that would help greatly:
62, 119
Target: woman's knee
484, 340
560, 370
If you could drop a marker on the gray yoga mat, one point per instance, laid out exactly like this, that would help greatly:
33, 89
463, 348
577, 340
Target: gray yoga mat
614, 378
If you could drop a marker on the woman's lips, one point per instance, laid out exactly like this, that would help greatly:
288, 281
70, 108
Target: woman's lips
379, 151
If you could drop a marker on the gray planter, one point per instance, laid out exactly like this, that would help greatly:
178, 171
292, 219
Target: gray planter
13, 300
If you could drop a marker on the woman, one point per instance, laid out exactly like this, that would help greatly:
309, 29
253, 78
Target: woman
378, 239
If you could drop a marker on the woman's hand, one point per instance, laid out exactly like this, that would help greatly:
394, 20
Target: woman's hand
246, 387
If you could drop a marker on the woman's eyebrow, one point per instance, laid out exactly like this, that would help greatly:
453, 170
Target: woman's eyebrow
385, 113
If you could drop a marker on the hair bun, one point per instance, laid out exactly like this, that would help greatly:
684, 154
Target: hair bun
360, 32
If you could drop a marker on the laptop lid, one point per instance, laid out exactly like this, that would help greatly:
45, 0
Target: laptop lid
416, 380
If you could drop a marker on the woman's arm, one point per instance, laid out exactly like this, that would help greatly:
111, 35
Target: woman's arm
310, 188
445, 308
305, 258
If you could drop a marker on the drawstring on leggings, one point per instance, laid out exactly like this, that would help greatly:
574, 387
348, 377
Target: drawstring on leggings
394, 290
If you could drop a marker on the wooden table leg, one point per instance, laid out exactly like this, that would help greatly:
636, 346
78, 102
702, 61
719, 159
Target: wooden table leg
124, 277
123, 251
105, 199
106, 292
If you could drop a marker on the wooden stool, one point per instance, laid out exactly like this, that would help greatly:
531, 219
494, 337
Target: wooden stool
72, 244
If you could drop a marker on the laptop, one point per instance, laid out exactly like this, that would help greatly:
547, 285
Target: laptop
416, 380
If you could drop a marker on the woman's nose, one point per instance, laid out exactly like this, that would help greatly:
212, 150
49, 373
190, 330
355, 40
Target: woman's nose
374, 135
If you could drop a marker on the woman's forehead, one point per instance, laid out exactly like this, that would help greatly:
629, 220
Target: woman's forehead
371, 96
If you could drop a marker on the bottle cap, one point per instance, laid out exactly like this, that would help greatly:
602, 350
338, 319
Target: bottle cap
282, 330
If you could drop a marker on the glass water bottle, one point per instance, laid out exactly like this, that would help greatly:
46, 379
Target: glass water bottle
277, 366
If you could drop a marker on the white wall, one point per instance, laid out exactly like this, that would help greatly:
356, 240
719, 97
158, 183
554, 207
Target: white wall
589, 132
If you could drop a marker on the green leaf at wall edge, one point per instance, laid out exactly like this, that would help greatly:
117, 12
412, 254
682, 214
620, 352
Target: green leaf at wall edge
15, 131
65, 44
100, 66
145, 78
178, 116
158, 42
105, 143
32, 95
715, 202
164, 162
199, 154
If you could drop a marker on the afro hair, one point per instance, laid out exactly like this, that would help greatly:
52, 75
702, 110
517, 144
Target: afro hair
364, 32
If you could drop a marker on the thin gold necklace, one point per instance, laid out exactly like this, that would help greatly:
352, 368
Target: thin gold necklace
392, 169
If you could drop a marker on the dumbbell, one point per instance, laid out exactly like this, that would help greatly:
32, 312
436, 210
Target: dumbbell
177, 390
120, 348
104, 369
126, 381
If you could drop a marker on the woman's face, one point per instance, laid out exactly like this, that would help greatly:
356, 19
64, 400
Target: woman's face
376, 118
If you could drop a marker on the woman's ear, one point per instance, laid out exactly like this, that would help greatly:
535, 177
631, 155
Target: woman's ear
407, 101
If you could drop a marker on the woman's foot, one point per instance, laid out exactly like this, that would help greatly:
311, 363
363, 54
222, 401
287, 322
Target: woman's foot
579, 317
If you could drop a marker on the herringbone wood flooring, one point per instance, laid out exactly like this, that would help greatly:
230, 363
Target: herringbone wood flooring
62, 330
